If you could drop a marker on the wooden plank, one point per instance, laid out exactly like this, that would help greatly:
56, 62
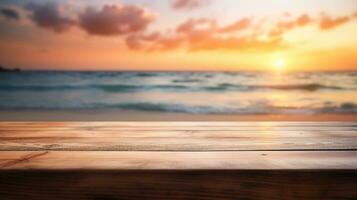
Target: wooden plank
79, 133
178, 160
121, 136
185, 124
265, 160
178, 185
115, 126
89, 132
175, 144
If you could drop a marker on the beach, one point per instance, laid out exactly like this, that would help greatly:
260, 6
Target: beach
120, 115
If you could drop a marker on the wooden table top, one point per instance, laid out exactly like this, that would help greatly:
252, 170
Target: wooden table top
178, 160
178, 145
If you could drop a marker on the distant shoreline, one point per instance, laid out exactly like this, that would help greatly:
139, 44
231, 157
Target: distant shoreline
119, 115
5, 69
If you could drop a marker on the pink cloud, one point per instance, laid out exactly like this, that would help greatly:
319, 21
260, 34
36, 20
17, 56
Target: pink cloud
205, 34
131, 23
136, 41
115, 20
328, 22
109, 20
188, 4
237, 26
50, 16
284, 26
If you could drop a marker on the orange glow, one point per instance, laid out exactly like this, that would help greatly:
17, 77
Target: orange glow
309, 40
279, 64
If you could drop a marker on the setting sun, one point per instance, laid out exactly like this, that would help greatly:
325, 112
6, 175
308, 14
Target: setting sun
279, 64
193, 35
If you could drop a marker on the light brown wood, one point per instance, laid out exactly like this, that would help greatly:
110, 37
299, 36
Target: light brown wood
175, 144
247, 134
176, 136
99, 160
178, 160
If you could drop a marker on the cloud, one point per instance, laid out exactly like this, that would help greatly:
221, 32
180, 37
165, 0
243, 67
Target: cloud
284, 26
10, 13
208, 43
135, 41
108, 21
237, 26
328, 22
50, 16
197, 26
210, 25
130, 22
234, 43
188, 4
115, 20
205, 34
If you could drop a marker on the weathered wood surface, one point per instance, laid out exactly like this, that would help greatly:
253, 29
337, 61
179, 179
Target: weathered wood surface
178, 160
178, 185
246, 160
177, 136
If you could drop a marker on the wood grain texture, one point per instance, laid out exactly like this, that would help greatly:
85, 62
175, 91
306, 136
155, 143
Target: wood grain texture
177, 185
178, 160
176, 136
246, 160
174, 144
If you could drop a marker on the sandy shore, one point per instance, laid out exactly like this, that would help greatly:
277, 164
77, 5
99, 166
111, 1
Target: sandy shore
118, 115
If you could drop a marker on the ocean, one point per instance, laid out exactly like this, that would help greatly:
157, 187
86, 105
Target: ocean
182, 92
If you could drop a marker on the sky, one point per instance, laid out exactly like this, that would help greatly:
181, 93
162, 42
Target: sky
179, 35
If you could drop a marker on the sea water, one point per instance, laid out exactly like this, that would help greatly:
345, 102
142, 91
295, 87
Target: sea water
182, 92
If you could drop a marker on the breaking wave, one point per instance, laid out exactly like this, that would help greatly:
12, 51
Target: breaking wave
201, 92
169, 87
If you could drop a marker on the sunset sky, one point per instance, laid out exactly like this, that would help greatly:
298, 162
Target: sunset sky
179, 34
